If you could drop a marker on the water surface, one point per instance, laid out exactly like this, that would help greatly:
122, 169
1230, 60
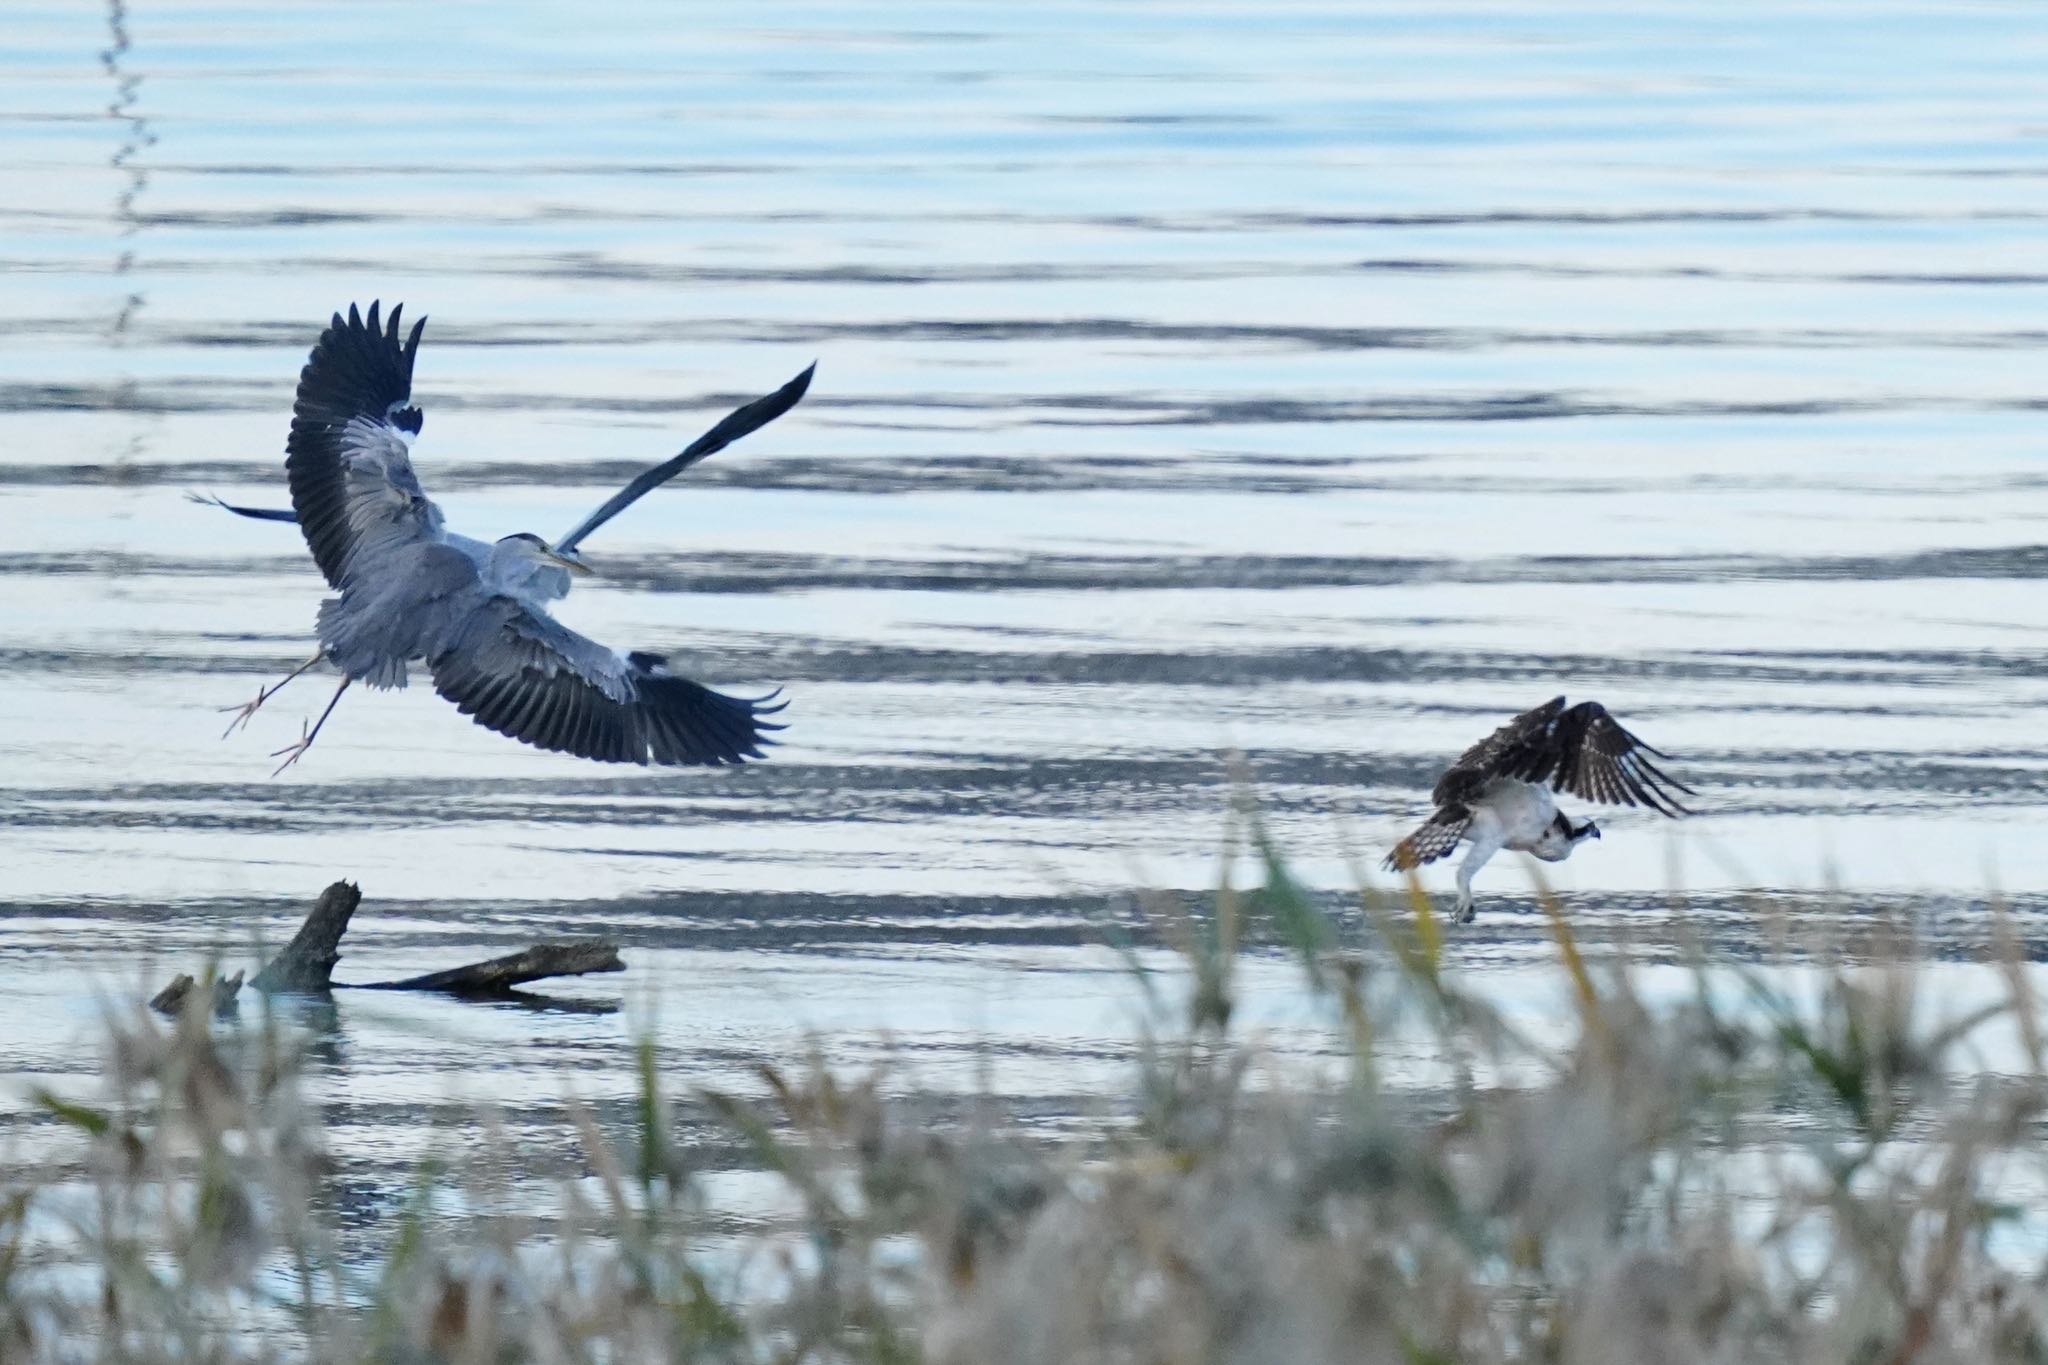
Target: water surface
1323, 382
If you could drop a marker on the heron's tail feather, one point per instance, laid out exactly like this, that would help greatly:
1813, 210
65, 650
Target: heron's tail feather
371, 667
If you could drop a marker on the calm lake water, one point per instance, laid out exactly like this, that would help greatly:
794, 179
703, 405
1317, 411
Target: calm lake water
1327, 382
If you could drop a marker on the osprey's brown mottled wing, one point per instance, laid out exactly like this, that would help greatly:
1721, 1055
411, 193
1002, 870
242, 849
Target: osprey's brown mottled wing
1598, 760
1524, 748
1581, 750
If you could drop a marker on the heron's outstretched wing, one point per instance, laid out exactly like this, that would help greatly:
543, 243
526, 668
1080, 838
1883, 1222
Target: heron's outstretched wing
522, 673
1581, 750
741, 421
353, 489
1433, 839
737, 423
258, 513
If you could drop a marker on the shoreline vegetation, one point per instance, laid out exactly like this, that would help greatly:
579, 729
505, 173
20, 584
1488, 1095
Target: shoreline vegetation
1752, 1172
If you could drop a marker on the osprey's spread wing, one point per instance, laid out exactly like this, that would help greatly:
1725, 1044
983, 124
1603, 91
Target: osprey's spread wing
520, 672
1581, 750
353, 490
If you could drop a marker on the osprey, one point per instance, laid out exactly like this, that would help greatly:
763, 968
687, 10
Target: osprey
1500, 792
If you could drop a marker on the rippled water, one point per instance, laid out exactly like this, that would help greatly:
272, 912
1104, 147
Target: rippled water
1324, 381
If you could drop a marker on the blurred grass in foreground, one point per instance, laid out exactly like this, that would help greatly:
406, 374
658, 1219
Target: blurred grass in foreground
1772, 1177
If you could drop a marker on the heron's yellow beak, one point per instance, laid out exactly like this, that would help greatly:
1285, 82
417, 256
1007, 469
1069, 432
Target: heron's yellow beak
572, 562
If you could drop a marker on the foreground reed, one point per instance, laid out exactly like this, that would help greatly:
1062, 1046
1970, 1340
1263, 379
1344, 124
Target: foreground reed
1751, 1174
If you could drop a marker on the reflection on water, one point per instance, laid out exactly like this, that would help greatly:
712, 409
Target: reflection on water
127, 160
1323, 382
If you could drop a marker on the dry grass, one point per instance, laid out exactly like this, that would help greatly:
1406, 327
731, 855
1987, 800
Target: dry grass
1747, 1176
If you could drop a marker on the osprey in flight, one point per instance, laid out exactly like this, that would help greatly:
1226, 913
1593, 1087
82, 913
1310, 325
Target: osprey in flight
475, 612
1499, 794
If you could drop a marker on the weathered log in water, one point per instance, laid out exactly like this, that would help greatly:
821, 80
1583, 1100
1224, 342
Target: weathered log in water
306, 966
173, 998
555, 957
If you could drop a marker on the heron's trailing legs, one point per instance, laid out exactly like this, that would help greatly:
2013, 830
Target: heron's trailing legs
264, 694
298, 747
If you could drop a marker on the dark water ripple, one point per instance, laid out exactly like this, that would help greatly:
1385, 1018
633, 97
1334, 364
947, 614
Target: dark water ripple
795, 573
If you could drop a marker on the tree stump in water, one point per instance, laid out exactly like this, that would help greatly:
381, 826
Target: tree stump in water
307, 963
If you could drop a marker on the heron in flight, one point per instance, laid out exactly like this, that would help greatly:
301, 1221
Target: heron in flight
1501, 791
476, 612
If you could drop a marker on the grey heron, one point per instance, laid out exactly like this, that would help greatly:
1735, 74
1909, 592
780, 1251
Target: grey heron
476, 612
1500, 792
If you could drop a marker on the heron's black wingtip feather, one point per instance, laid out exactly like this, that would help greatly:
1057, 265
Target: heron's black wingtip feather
741, 421
356, 370
767, 705
255, 513
669, 721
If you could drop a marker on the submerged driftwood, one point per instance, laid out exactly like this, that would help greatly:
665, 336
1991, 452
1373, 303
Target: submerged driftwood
306, 966
552, 957
173, 998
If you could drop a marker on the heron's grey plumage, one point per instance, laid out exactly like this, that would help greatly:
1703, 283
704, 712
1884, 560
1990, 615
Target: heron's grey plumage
474, 613
406, 606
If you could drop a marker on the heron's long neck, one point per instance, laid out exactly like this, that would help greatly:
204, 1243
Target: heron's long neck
515, 572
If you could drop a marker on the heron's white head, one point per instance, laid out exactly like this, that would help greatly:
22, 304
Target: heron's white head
524, 565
